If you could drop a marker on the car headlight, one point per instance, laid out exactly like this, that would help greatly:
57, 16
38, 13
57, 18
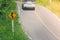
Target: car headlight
25, 5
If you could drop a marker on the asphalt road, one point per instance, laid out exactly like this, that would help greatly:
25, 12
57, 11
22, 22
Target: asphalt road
40, 24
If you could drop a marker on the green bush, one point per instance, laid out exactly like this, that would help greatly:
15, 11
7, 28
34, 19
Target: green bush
42, 2
5, 24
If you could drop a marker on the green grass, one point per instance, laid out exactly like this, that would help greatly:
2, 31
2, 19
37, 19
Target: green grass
42, 2
54, 6
5, 25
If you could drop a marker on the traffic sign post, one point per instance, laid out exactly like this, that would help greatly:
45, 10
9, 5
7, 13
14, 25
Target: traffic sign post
12, 15
12, 25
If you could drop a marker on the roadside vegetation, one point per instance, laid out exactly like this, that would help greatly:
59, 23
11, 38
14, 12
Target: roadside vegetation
5, 22
53, 5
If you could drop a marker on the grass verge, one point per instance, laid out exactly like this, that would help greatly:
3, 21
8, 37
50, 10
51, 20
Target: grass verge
5, 25
54, 6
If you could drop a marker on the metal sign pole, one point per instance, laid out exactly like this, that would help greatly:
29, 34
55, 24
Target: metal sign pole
13, 28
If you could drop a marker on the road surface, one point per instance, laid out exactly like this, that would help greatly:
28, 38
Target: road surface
40, 24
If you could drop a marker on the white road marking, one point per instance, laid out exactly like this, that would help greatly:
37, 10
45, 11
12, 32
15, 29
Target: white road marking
18, 8
46, 25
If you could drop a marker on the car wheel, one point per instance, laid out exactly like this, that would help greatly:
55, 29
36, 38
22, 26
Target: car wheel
33, 8
23, 7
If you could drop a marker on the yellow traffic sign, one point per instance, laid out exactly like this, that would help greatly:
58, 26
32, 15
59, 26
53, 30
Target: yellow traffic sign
12, 15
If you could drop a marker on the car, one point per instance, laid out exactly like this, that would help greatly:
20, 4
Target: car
28, 5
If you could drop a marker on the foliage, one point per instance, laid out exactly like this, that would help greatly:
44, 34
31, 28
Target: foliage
5, 23
54, 6
44, 2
